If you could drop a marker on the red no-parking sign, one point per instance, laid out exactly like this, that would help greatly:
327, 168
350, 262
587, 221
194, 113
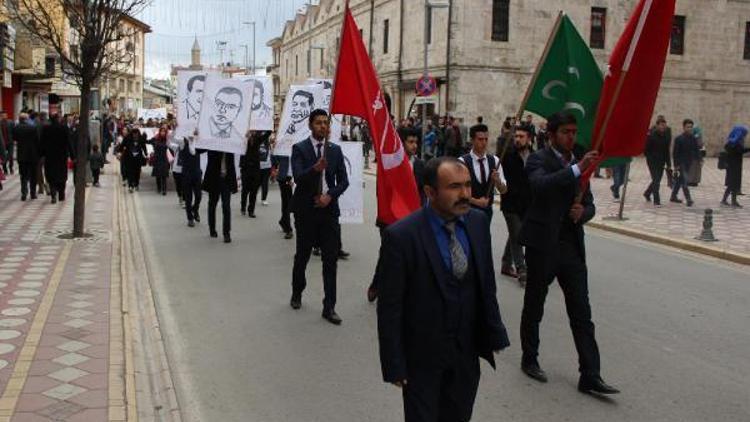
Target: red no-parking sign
426, 86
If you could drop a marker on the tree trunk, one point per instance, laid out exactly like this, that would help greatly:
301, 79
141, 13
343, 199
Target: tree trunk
79, 206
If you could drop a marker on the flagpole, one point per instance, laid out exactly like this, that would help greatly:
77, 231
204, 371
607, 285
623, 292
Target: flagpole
624, 192
338, 54
535, 76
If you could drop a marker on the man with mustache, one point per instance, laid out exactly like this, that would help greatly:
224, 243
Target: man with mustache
437, 306
302, 104
552, 232
227, 106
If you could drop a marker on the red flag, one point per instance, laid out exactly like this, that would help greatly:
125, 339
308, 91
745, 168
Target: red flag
632, 81
357, 92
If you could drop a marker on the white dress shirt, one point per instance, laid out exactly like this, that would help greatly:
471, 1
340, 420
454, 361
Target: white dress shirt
487, 171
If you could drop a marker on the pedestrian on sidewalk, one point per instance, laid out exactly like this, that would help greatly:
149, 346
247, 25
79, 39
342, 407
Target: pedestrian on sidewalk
192, 175
96, 161
735, 149
56, 150
27, 144
438, 311
485, 170
554, 238
265, 168
134, 152
220, 183
250, 172
684, 153
658, 145
41, 121
161, 162
515, 202
320, 172
8, 139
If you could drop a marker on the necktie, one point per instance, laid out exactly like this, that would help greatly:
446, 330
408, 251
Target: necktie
458, 256
319, 146
482, 171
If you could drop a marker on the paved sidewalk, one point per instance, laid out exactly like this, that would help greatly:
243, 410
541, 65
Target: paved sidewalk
61, 331
676, 222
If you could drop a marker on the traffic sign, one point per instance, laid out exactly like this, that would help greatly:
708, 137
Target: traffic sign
426, 86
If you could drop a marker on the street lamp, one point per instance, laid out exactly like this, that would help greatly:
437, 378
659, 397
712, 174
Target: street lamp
428, 6
245, 62
253, 24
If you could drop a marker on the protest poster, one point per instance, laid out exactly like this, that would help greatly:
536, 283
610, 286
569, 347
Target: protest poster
225, 115
301, 100
261, 114
351, 203
190, 86
336, 120
152, 113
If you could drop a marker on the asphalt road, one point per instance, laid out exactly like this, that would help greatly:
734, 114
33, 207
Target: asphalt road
672, 329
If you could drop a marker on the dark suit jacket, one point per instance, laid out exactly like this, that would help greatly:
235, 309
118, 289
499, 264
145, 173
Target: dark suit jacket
27, 143
553, 190
307, 180
518, 197
419, 178
657, 148
212, 180
413, 290
686, 150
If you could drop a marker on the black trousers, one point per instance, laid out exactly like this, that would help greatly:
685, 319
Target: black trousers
191, 191
265, 174
442, 393
568, 266
178, 184
285, 189
57, 189
250, 187
226, 210
161, 184
680, 182
28, 171
317, 227
656, 169
378, 268
95, 174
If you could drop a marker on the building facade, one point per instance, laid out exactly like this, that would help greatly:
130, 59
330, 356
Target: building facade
483, 53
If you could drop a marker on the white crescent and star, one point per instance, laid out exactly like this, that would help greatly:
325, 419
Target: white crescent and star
546, 91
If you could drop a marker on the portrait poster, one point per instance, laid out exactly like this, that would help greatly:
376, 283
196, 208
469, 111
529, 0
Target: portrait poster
225, 115
300, 101
261, 114
152, 113
336, 120
351, 202
190, 86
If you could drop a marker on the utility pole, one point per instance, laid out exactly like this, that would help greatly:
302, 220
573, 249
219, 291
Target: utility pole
253, 24
245, 63
428, 6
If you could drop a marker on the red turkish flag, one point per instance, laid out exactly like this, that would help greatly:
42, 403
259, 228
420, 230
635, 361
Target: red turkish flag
632, 82
357, 92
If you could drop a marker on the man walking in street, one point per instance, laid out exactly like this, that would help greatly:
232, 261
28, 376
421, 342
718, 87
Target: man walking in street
553, 235
27, 140
438, 311
485, 170
320, 173
515, 202
686, 151
658, 158
6, 131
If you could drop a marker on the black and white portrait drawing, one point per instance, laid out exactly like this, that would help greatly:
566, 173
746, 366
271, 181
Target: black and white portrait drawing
261, 114
225, 115
190, 87
301, 100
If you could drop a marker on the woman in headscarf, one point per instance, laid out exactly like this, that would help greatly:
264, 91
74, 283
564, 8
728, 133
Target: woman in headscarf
735, 149
134, 153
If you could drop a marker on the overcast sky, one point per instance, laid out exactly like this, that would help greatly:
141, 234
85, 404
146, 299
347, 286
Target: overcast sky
176, 23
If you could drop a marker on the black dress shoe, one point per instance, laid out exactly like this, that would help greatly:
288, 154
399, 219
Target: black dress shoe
647, 196
316, 251
332, 317
372, 294
343, 254
191, 223
288, 235
227, 238
595, 385
196, 217
251, 215
534, 372
213, 233
296, 301
675, 200
242, 211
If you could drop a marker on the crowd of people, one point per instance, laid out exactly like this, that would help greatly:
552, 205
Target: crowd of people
434, 281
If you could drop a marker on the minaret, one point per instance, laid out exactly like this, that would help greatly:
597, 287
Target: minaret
196, 54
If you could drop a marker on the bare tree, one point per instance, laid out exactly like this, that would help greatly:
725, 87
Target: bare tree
92, 39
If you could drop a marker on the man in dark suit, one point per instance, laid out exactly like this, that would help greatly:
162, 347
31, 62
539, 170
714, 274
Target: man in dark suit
553, 235
28, 146
685, 152
437, 310
515, 202
320, 174
220, 181
657, 155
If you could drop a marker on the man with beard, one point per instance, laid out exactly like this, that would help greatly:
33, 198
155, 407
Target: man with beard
227, 106
259, 109
302, 104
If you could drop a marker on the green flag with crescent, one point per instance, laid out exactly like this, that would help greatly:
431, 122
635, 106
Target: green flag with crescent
568, 78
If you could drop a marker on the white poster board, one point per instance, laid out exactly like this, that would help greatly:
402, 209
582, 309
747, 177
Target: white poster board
261, 115
225, 115
351, 202
149, 131
190, 85
300, 101
152, 113
336, 120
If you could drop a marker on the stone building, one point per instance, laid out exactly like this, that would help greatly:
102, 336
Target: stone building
484, 59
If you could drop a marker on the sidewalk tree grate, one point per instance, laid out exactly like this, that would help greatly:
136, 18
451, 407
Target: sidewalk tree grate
63, 236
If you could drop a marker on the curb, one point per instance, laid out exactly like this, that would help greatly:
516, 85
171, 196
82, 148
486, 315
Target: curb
686, 245
682, 244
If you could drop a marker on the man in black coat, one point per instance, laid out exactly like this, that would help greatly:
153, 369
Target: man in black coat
553, 235
6, 137
320, 174
220, 182
56, 149
27, 140
437, 307
658, 158
685, 152
515, 202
